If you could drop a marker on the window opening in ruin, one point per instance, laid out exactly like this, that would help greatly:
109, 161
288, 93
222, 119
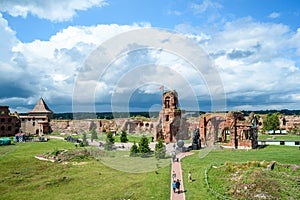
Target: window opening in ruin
2, 128
167, 118
167, 102
2, 120
9, 120
33, 123
9, 128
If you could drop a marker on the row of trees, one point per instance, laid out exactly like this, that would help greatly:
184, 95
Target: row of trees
141, 149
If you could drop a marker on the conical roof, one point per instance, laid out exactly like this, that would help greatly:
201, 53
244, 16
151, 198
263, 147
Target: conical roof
41, 107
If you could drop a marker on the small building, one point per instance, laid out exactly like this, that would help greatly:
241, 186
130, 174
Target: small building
9, 123
37, 121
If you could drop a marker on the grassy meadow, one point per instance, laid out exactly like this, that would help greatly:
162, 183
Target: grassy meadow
24, 177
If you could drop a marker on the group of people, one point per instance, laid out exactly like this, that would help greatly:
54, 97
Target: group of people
176, 186
176, 182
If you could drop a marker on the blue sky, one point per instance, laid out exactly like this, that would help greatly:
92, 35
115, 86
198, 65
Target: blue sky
254, 45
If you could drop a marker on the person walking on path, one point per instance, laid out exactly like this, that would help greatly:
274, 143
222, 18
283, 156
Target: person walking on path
174, 186
190, 177
178, 185
174, 175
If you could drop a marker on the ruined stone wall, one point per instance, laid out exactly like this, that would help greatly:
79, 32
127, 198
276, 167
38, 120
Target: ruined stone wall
214, 127
77, 126
289, 122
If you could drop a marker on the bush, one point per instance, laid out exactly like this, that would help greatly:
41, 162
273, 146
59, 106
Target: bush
144, 145
109, 141
134, 150
123, 137
160, 149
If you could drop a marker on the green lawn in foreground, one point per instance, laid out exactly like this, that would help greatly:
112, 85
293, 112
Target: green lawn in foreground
197, 165
24, 177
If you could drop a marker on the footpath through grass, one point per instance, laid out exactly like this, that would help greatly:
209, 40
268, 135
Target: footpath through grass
24, 177
197, 165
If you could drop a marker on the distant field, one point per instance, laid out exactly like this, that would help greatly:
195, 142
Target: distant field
278, 137
24, 177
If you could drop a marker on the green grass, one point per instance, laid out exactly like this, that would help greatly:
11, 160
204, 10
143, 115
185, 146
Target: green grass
197, 165
24, 177
278, 137
252, 179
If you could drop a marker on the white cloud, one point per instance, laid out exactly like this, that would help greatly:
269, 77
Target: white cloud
48, 68
54, 10
274, 15
256, 57
204, 6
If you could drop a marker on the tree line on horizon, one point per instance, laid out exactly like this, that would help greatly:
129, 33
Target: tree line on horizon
110, 115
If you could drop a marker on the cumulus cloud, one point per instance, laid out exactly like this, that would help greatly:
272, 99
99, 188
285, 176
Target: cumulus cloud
257, 63
48, 68
54, 10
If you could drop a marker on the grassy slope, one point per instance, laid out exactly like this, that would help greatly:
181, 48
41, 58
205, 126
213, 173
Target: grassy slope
198, 189
24, 177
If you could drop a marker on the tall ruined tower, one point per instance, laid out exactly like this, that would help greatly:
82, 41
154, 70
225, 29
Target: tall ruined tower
170, 125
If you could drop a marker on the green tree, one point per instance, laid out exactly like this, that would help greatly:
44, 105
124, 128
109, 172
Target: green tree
271, 122
123, 137
93, 134
160, 149
134, 150
144, 145
84, 140
109, 142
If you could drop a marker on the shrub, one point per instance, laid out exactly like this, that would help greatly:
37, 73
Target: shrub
144, 145
160, 149
123, 137
109, 141
134, 150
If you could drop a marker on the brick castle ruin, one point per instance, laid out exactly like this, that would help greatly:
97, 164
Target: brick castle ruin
230, 129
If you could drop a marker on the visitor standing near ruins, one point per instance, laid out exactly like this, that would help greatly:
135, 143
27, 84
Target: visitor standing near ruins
174, 186
174, 176
190, 177
178, 185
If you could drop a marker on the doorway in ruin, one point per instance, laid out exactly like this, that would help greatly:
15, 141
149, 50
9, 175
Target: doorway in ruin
224, 136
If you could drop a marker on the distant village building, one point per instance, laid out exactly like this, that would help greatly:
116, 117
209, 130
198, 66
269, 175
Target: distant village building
9, 123
37, 121
172, 126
